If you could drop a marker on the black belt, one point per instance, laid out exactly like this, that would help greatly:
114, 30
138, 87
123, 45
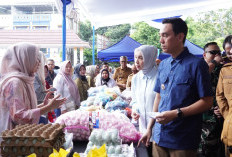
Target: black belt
230, 149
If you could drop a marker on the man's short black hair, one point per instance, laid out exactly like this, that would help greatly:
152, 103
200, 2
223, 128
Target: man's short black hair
227, 40
210, 43
178, 26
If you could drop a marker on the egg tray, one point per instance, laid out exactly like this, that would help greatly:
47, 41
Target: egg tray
28, 139
25, 151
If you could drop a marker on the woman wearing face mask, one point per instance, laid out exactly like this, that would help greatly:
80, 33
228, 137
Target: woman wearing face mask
81, 81
66, 87
142, 86
18, 103
106, 80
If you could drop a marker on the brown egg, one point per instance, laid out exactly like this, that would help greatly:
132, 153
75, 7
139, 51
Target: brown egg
10, 133
28, 133
45, 135
36, 133
4, 133
56, 125
53, 135
19, 133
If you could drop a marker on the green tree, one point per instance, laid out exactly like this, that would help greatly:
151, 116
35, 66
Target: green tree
210, 26
88, 57
145, 34
115, 33
85, 31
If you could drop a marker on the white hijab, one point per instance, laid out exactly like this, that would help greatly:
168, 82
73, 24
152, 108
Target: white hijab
149, 54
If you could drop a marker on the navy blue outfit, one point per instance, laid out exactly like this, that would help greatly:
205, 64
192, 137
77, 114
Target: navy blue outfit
181, 82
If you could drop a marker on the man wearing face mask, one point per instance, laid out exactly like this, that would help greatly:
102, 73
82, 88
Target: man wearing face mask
223, 96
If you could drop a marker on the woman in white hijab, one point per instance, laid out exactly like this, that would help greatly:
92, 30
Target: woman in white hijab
142, 85
67, 88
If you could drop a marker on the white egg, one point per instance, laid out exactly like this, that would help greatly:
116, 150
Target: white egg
106, 137
111, 150
90, 144
114, 137
92, 138
118, 149
99, 136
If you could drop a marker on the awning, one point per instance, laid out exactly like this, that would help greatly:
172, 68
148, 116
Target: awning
43, 38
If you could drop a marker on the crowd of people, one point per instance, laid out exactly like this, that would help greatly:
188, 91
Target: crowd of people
190, 96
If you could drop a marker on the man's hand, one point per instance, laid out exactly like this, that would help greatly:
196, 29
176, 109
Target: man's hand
145, 139
217, 112
166, 117
135, 115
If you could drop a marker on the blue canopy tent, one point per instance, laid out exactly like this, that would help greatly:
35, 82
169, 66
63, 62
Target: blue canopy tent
125, 47
193, 48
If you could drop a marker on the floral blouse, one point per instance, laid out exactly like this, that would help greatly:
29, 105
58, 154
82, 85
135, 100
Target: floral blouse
15, 105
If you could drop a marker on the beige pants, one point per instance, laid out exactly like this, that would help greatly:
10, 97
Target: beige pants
158, 151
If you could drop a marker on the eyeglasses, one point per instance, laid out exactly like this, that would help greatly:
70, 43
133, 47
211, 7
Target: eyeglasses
214, 52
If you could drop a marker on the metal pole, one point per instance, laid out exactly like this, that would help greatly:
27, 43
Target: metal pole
64, 31
93, 51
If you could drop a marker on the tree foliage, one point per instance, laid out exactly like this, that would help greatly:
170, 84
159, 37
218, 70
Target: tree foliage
115, 33
85, 31
210, 26
203, 28
145, 34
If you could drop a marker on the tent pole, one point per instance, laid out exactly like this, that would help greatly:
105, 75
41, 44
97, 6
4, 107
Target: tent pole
64, 31
93, 51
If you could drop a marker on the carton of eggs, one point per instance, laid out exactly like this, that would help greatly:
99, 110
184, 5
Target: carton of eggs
32, 138
109, 137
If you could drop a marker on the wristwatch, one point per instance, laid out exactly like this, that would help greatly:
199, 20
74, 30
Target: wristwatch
179, 113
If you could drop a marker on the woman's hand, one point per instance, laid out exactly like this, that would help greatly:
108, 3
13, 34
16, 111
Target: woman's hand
56, 103
135, 115
48, 96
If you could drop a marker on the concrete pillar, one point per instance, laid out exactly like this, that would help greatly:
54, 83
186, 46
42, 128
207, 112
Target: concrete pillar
81, 55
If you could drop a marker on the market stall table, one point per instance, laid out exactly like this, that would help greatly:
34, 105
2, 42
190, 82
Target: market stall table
80, 146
